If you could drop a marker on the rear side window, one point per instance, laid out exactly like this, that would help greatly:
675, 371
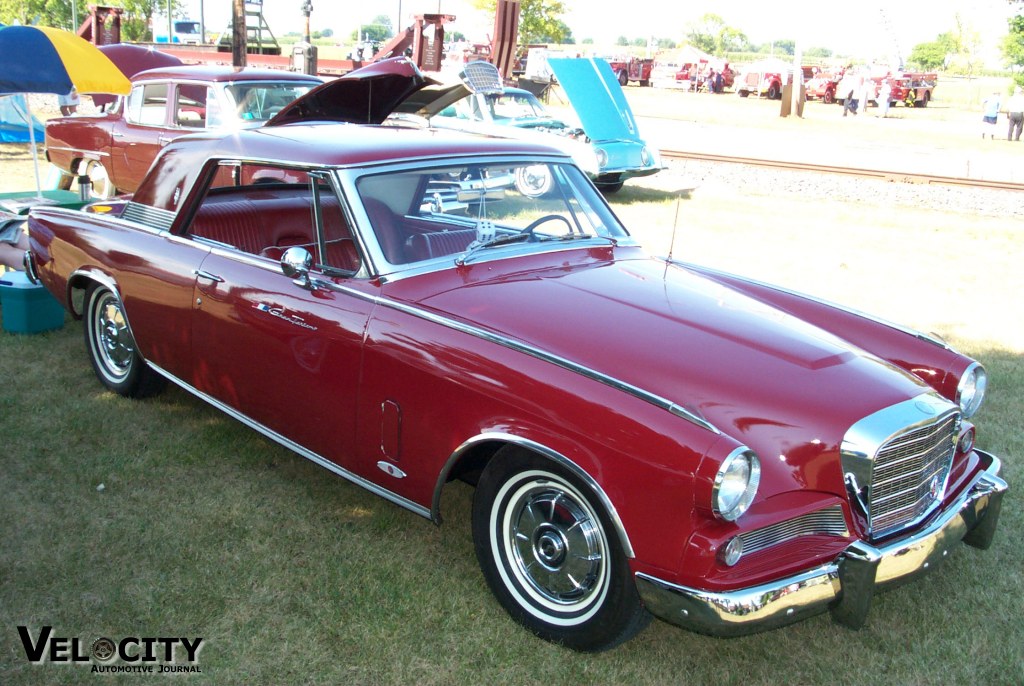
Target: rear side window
264, 210
147, 105
190, 108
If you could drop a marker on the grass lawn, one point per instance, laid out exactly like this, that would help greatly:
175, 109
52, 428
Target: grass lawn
166, 518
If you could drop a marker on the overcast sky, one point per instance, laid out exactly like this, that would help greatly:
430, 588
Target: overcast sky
844, 27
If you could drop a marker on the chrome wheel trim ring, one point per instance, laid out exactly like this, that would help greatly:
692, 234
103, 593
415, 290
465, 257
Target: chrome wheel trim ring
112, 341
551, 548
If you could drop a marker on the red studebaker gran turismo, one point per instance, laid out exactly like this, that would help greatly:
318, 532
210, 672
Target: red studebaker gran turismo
646, 437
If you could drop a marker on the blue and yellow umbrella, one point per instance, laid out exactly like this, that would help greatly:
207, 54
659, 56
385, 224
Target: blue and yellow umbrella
39, 59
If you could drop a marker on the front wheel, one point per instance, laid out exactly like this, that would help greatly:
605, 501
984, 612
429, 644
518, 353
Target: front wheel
609, 188
549, 554
111, 347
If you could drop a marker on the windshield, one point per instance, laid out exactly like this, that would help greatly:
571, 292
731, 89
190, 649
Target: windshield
503, 108
261, 100
463, 210
515, 106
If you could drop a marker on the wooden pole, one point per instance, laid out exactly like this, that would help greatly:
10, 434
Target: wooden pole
238, 33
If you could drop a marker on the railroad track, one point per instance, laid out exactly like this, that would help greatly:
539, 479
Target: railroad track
895, 177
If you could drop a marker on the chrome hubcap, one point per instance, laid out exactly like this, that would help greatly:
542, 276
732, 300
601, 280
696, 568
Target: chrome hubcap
115, 346
557, 546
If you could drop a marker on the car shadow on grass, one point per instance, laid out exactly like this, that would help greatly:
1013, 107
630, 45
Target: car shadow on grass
632, 195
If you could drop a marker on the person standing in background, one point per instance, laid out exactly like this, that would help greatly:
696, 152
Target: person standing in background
846, 89
1015, 113
68, 103
884, 94
990, 115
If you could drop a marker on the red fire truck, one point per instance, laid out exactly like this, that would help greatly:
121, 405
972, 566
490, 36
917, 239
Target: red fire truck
632, 69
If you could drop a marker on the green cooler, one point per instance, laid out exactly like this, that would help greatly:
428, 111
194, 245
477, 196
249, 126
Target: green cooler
27, 307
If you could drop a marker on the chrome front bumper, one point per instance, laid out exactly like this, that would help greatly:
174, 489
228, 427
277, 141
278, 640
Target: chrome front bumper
846, 585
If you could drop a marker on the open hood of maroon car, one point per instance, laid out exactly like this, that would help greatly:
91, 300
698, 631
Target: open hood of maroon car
364, 96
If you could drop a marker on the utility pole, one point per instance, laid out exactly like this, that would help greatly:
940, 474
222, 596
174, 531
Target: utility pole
307, 9
239, 33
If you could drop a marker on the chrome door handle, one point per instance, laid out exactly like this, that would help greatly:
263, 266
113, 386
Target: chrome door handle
199, 273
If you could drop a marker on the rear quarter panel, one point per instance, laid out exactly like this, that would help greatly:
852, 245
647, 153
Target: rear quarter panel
150, 270
69, 139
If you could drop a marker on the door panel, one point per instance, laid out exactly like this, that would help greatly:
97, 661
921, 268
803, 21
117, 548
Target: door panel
138, 137
287, 357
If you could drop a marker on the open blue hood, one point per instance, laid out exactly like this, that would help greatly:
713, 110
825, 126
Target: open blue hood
597, 97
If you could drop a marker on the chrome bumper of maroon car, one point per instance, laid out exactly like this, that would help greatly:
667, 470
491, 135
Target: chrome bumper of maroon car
846, 585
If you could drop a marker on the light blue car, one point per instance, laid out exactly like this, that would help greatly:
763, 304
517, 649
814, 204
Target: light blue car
607, 147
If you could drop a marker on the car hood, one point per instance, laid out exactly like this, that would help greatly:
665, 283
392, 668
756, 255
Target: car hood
363, 96
597, 98
765, 378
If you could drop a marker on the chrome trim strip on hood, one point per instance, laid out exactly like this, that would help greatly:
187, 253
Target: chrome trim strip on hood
528, 349
928, 338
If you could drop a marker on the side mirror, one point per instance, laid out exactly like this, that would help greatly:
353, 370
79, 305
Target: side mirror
295, 264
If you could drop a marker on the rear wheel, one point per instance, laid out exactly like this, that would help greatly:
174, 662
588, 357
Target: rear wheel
111, 347
101, 185
773, 92
549, 554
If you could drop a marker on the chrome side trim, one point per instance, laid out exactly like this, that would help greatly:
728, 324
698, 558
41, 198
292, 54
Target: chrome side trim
86, 154
533, 351
929, 338
295, 447
554, 456
847, 584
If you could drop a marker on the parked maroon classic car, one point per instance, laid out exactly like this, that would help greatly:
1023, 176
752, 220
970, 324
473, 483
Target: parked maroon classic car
115, 149
645, 437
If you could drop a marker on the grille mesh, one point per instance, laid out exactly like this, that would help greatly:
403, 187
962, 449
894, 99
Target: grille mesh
829, 522
909, 474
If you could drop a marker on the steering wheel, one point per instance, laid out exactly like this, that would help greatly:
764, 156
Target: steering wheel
528, 231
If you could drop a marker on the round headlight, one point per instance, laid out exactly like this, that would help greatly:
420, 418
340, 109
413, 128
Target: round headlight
602, 158
735, 484
645, 156
970, 393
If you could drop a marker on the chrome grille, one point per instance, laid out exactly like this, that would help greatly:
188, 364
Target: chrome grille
827, 522
909, 474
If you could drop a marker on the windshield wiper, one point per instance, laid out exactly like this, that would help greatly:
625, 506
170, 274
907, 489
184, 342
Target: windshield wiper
581, 236
494, 242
